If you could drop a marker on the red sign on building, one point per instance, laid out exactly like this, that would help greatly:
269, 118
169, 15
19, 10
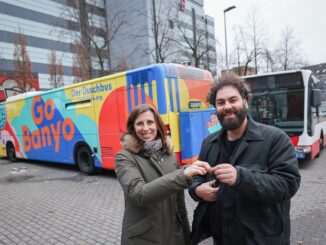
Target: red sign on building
9, 86
182, 5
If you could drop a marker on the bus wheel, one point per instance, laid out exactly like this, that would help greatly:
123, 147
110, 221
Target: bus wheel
85, 160
11, 153
321, 142
321, 145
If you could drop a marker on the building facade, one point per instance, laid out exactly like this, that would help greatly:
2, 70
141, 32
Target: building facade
127, 41
159, 31
47, 25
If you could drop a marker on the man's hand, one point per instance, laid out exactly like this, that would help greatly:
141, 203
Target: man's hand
225, 173
206, 192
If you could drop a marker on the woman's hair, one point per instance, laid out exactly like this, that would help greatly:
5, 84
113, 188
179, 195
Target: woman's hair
159, 123
228, 79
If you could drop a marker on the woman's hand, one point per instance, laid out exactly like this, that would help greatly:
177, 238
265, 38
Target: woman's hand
196, 168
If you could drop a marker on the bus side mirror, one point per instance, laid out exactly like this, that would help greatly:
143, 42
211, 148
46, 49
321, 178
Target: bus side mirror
315, 98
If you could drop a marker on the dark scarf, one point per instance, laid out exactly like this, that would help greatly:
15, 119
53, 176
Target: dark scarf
153, 148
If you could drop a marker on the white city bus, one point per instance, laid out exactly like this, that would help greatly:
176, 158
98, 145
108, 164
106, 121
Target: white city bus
294, 101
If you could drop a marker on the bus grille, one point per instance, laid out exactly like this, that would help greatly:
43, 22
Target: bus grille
107, 152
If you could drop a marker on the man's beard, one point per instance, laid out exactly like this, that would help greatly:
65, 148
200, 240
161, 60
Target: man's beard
235, 123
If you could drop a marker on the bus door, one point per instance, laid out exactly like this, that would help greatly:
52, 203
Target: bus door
83, 128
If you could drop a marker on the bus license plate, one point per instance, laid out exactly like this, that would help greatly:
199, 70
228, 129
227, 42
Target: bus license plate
299, 154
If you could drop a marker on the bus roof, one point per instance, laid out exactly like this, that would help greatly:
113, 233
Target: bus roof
181, 71
190, 72
23, 95
277, 73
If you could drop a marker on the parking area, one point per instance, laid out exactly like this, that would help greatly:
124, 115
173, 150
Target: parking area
45, 203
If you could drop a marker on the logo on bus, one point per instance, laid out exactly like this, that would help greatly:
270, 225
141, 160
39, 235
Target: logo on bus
42, 114
214, 124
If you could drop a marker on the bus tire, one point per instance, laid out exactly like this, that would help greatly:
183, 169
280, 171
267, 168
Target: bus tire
11, 153
321, 145
84, 160
321, 142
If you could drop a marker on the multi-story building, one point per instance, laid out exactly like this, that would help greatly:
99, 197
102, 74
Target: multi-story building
129, 25
47, 25
183, 33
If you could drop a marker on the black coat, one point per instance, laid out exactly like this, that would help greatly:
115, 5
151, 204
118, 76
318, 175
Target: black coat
268, 176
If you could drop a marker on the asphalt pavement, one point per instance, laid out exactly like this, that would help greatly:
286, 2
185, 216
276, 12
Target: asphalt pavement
46, 203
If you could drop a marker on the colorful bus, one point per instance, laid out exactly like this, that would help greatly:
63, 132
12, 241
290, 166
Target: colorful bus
294, 101
82, 123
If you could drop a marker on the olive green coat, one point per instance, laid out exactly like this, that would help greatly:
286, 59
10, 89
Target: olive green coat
155, 211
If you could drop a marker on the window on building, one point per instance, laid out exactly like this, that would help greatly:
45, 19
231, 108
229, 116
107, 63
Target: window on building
171, 24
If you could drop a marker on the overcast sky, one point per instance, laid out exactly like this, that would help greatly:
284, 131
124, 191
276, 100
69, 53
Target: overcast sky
306, 17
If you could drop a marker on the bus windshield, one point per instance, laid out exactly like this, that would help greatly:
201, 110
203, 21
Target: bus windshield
279, 101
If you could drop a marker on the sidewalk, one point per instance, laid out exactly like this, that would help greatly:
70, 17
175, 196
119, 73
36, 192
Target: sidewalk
44, 203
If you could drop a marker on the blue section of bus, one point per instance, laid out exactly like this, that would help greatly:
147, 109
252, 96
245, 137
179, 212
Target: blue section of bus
138, 78
195, 126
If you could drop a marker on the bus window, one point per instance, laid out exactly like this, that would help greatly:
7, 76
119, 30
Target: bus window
274, 103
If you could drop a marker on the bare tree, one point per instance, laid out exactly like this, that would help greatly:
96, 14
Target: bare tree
76, 72
93, 37
81, 63
163, 17
122, 64
220, 61
250, 43
109, 27
244, 52
238, 51
269, 57
22, 65
55, 71
194, 40
257, 34
288, 51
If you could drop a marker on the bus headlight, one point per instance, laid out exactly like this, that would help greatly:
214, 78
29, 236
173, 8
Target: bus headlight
304, 149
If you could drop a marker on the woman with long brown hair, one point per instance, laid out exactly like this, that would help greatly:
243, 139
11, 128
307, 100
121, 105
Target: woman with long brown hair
153, 183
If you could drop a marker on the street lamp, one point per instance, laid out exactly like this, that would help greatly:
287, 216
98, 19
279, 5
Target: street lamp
226, 42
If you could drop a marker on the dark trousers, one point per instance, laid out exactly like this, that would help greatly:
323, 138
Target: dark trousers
217, 242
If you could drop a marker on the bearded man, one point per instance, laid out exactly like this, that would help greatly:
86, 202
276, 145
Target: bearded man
245, 199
